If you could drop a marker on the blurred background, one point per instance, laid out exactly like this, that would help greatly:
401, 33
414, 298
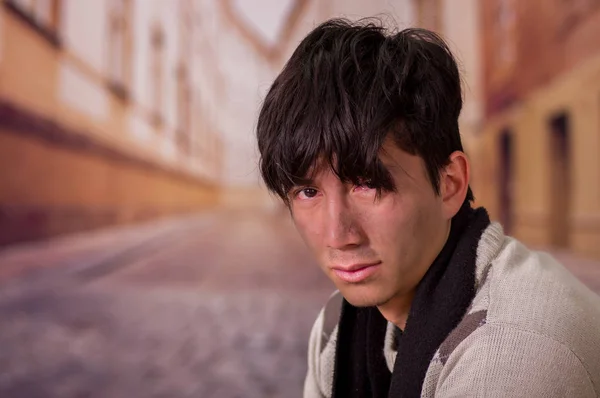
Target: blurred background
139, 253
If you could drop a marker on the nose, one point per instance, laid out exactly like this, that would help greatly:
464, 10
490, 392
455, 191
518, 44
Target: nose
342, 226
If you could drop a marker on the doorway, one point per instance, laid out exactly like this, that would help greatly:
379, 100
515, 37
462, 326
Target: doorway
560, 180
506, 180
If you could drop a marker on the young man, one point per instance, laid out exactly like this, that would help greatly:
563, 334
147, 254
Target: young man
359, 136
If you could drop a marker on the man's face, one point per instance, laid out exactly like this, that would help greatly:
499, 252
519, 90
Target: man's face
373, 249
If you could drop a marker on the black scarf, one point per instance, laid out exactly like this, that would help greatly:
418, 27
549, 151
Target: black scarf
441, 300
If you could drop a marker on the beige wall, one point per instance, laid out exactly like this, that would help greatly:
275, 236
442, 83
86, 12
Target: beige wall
74, 154
577, 93
552, 68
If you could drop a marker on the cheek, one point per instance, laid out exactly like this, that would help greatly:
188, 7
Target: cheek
393, 227
308, 229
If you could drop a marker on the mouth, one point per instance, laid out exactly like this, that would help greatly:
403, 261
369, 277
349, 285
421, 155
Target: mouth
356, 273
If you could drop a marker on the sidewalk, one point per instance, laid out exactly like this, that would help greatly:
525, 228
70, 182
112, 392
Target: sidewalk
87, 250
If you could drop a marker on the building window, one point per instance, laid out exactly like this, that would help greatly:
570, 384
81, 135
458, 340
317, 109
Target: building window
156, 72
119, 46
41, 15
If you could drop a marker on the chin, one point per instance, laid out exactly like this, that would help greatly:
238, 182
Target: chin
364, 296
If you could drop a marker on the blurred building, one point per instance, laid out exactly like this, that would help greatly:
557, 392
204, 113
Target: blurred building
537, 168
113, 111
104, 117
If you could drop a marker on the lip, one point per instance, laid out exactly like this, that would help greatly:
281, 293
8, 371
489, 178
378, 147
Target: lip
356, 272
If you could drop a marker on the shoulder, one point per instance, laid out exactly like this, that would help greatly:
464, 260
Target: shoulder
503, 360
533, 301
531, 290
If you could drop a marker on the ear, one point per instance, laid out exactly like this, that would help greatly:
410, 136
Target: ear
454, 183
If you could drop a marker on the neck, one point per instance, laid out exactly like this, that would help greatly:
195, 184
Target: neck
396, 309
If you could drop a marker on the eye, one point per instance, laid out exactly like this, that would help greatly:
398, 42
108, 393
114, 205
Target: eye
307, 193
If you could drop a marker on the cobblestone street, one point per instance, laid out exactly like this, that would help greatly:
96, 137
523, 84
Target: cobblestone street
219, 305
216, 305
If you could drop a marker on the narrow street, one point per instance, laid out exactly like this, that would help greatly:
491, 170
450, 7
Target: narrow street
216, 305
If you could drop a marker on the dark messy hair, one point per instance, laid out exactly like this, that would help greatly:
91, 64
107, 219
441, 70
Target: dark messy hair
345, 89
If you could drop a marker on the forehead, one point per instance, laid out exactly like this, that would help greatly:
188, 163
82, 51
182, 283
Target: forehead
393, 157
399, 163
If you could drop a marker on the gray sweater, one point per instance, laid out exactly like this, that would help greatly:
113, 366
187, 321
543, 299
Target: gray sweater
532, 330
